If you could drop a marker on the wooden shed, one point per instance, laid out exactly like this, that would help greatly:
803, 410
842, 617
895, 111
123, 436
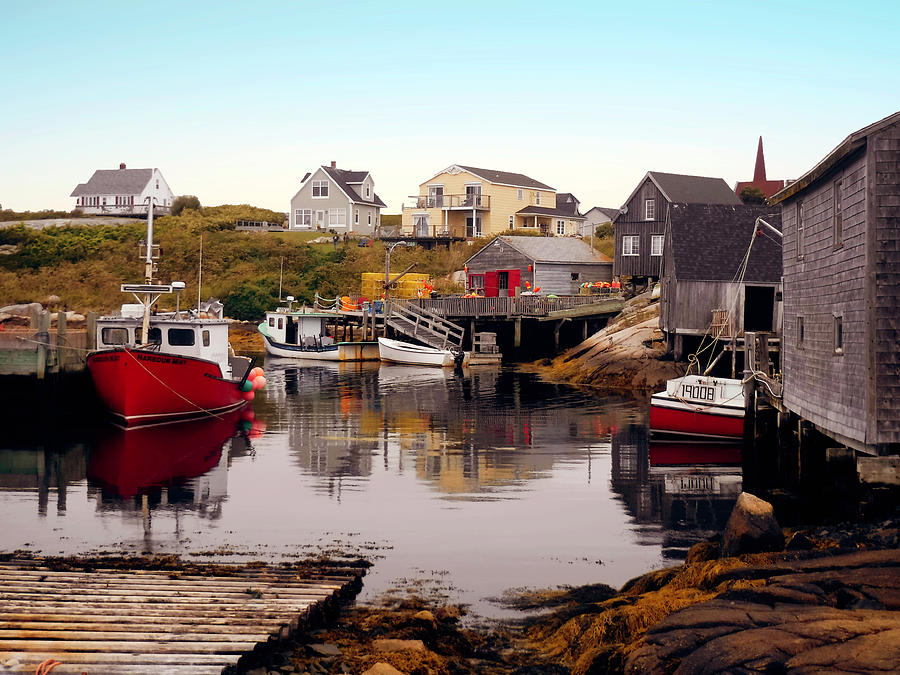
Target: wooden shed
705, 245
559, 265
841, 342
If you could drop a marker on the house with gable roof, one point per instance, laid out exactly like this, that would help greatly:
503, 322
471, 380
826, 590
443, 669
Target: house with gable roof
340, 200
123, 192
641, 222
462, 202
596, 216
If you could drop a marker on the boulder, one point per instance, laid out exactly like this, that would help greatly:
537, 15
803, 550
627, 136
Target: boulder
393, 645
752, 528
426, 617
22, 310
383, 669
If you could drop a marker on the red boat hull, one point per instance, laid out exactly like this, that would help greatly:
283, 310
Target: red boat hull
141, 387
684, 454
706, 423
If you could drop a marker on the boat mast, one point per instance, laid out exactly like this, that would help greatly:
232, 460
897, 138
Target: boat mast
148, 273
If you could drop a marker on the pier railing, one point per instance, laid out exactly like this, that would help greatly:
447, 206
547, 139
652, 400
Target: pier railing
522, 306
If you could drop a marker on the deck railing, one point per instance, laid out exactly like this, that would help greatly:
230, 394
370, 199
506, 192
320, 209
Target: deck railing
523, 306
424, 324
467, 201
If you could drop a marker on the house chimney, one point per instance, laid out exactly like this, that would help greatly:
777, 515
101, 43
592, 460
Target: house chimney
122, 165
333, 164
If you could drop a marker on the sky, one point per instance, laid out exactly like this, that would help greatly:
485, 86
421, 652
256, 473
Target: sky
235, 101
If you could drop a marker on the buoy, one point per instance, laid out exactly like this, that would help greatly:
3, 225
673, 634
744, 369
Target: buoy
259, 382
256, 372
248, 395
247, 385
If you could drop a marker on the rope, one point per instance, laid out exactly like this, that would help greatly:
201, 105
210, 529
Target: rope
44, 667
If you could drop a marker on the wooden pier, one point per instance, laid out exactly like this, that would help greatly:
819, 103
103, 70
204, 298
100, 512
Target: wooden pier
187, 621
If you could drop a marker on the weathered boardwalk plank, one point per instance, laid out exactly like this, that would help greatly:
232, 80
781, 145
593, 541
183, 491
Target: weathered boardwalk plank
184, 622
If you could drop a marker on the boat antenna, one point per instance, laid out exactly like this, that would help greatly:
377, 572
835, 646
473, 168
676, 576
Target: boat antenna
148, 273
200, 274
280, 278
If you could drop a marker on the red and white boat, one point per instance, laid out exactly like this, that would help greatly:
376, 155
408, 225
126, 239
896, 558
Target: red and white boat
184, 367
699, 406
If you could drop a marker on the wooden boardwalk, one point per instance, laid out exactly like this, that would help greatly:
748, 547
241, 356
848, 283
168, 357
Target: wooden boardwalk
183, 622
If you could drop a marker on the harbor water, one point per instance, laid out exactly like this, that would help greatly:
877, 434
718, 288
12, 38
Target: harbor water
464, 484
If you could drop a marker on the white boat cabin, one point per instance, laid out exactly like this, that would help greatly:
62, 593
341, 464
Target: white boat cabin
185, 335
301, 329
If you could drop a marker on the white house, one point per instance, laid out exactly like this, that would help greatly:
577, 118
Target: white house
598, 215
336, 199
123, 192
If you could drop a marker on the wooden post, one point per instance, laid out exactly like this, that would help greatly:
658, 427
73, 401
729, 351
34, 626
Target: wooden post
62, 354
91, 330
472, 332
43, 337
556, 334
517, 333
584, 330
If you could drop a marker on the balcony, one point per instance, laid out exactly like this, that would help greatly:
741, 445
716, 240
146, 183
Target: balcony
467, 201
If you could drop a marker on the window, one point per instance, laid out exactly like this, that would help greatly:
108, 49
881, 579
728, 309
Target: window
800, 331
368, 191
435, 196
649, 209
801, 245
576, 276
104, 201
656, 244
369, 217
154, 333
181, 337
303, 218
838, 335
271, 322
476, 281
337, 217
114, 336
630, 244
280, 323
512, 222
537, 198
560, 227
473, 195
319, 189
205, 336
838, 214
356, 216
520, 194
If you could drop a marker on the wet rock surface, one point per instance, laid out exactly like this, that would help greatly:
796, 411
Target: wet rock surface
752, 527
838, 614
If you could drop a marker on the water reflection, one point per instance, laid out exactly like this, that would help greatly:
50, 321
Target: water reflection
680, 493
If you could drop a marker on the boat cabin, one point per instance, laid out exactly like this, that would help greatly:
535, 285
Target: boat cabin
183, 336
305, 330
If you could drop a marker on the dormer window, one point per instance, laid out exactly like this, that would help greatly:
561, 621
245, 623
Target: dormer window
649, 209
319, 189
368, 191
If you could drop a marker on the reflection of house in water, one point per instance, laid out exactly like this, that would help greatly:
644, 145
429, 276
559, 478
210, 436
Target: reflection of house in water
43, 469
679, 494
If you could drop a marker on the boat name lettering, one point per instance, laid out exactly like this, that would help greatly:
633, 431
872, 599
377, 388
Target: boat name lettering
106, 357
698, 392
160, 359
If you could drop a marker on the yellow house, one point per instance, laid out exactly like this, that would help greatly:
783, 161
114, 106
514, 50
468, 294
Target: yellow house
462, 202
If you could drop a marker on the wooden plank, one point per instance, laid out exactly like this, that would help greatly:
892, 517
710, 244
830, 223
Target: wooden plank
155, 589
157, 647
146, 623
95, 657
120, 669
158, 610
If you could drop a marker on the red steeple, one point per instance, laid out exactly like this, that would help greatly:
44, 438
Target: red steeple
759, 172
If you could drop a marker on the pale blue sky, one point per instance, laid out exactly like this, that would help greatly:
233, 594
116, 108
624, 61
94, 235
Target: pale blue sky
235, 101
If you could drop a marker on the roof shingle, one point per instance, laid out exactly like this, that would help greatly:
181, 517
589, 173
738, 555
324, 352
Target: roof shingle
115, 182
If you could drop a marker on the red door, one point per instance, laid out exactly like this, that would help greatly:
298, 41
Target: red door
515, 279
491, 285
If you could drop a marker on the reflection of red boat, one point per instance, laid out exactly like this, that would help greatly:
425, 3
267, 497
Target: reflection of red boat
686, 454
132, 460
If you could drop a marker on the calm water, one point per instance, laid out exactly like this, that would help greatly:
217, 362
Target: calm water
476, 483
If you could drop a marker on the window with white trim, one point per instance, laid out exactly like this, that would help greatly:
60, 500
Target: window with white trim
801, 243
656, 244
302, 217
631, 244
370, 218
368, 191
420, 224
560, 227
520, 194
537, 198
512, 222
337, 217
319, 189
649, 209
356, 216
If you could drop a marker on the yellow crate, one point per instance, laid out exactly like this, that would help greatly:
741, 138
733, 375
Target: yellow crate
372, 285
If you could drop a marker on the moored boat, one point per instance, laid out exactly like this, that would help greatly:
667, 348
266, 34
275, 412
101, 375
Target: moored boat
397, 351
299, 334
699, 406
166, 366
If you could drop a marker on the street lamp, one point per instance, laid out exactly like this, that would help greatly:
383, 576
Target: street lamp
387, 278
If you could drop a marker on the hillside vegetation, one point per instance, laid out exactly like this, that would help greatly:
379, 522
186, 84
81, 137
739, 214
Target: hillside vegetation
84, 265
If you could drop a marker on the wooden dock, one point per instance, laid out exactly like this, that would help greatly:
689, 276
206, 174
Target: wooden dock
180, 621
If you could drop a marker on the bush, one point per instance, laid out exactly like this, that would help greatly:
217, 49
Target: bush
250, 300
184, 202
605, 230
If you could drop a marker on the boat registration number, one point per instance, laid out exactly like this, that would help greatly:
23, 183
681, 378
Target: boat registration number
698, 392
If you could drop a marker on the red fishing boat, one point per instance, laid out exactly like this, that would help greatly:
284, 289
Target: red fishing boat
152, 367
701, 407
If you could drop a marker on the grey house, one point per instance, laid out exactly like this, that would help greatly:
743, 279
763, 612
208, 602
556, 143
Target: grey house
595, 216
700, 288
338, 200
511, 265
641, 222
841, 341
123, 192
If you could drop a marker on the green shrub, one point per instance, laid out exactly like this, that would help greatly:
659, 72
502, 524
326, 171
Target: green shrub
250, 300
183, 202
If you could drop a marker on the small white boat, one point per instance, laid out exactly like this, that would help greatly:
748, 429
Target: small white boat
694, 405
301, 335
417, 355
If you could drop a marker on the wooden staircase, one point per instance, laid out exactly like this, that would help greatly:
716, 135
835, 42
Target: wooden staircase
424, 326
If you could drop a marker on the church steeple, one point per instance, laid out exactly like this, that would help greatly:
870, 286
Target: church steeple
759, 172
